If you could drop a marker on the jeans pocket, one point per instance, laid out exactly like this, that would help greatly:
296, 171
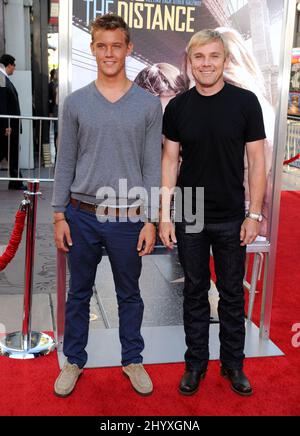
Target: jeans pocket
68, 213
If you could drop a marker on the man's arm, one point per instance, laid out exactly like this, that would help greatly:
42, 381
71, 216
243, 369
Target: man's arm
151, 172
64, 176
257, 186
169, 178
66, 160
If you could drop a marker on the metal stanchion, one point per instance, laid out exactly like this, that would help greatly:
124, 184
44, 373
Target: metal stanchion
27, 344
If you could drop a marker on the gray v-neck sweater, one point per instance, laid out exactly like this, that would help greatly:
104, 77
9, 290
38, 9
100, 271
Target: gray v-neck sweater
103, 142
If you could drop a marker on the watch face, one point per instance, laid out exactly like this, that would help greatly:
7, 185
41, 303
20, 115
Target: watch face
255, 216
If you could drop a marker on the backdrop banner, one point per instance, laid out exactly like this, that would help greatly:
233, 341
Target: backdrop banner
160, 30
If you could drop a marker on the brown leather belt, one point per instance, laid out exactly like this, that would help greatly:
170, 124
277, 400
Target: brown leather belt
106, 210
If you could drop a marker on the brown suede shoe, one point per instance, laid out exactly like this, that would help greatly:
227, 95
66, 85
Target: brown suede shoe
67, 379
139, 378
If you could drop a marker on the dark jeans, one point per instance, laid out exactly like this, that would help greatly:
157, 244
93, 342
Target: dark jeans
120, 239
229, 259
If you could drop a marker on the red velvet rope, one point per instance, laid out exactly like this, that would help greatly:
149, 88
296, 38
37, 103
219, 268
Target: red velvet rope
15, 240
286, 162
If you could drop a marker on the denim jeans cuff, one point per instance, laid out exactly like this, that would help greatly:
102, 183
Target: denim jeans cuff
196, 366
232, 365
128, 362
73, 362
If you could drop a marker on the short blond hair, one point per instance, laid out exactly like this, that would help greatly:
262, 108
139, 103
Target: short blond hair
110, 21
204, 37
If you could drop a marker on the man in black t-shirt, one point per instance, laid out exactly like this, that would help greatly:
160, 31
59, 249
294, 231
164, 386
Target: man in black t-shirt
213, 123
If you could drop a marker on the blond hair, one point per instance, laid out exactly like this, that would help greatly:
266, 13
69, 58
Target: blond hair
204, 37
110, 21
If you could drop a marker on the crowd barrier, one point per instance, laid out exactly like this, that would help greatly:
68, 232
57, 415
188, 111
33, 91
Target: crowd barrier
36, 160
292, 150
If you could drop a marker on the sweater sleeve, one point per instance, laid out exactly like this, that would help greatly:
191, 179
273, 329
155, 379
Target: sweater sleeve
152, 161
66, 159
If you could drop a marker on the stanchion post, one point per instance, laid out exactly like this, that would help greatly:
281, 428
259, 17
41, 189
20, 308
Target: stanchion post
61, 272
32, 196
27, 344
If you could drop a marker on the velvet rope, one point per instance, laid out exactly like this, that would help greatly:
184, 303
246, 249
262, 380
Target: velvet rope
286, 162
15, 240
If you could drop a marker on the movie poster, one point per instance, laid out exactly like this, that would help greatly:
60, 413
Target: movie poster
160, 32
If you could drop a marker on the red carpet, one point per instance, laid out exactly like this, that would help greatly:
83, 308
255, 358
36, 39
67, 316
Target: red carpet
27, 386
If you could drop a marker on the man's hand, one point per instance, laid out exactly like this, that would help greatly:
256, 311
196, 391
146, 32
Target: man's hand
249, 231
8, 131
62, 235
146, 239
167, 234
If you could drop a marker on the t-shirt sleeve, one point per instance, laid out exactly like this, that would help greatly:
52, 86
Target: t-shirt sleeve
169, 123
255, 129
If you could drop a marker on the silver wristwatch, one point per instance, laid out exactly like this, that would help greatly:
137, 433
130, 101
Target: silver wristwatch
254, 216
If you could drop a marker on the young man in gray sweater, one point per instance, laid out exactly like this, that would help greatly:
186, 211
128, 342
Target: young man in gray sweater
110, 145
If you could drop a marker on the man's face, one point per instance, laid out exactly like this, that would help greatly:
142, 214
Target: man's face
110, 49
207, 64
10, 69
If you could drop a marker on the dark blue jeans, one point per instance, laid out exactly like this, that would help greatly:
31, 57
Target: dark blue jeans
229, 259
120, 240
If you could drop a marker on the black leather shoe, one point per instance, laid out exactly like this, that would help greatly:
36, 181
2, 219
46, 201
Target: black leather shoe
239, 382
189, 384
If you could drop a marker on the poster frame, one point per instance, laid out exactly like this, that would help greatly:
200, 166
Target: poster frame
268, 247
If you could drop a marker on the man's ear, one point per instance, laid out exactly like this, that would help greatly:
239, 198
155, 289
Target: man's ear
92, 49
129, 49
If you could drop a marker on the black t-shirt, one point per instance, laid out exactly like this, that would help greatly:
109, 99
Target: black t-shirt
212, 131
